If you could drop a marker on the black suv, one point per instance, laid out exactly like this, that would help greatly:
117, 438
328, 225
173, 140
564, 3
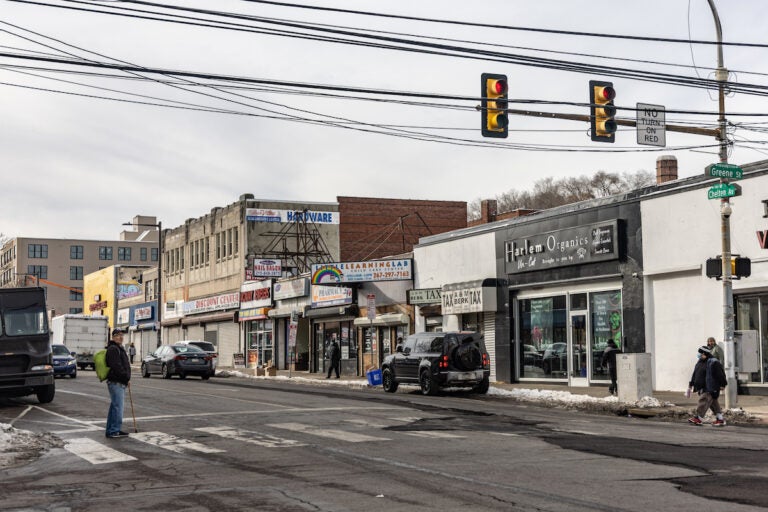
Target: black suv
439, 359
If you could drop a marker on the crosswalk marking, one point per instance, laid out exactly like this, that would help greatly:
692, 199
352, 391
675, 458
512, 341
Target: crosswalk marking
173, 443
95, 452
366, 423
249, 436
342, 435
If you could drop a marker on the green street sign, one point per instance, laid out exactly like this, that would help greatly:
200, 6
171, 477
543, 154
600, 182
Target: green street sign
726, 171
722, 190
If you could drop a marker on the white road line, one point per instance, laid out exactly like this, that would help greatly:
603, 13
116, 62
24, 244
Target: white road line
406, 419
249, 436
95, 452
435, 434
341, 435
261, 412
366, 423
173, 443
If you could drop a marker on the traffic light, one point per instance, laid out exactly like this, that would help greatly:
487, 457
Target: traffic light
602, 112
494, 105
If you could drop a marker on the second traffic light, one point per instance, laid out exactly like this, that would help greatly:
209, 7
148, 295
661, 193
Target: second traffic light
602, 112
494, 104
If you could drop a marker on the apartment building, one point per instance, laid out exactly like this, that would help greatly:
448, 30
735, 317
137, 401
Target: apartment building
58, 265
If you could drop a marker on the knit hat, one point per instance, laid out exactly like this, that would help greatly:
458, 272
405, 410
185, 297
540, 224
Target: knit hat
705, 350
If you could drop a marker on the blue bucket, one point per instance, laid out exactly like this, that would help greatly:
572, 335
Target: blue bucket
374, 377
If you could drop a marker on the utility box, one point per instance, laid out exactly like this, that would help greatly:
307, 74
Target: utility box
747, 352
634, 376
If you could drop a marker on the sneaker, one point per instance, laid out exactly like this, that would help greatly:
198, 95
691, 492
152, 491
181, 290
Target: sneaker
115, 435
695, 420
718, 423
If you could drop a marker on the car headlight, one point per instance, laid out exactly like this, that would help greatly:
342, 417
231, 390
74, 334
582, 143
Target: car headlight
40, 367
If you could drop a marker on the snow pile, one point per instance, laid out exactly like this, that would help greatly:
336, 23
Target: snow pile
18, 446
541, 396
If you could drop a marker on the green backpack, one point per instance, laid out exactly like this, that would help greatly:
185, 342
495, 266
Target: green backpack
100, 364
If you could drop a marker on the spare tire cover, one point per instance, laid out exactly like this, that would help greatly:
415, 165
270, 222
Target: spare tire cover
467, 356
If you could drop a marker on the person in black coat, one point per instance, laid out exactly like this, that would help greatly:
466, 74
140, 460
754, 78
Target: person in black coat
609, 361
334, 356
117, 380
708, 379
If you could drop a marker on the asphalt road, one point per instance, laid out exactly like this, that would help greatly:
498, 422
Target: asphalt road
227, 444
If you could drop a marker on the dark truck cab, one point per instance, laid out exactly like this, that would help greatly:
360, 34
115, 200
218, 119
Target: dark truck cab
26, 362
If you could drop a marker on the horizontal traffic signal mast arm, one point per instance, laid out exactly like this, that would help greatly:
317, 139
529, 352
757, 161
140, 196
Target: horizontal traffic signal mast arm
712, 132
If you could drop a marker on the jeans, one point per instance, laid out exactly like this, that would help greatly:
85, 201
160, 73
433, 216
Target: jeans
117, 402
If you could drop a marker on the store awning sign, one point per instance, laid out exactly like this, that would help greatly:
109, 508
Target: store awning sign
572, 246
362, 271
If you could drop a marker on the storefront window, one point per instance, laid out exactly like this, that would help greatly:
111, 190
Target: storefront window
749, 313
605, 310
544, 337
472, 322
259, 341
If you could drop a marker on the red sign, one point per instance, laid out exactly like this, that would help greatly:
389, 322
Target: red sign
98, 305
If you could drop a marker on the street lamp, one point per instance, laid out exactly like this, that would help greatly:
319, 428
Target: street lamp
721, 75
159, 227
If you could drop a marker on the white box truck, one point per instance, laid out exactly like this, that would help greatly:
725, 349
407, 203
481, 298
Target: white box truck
82, 334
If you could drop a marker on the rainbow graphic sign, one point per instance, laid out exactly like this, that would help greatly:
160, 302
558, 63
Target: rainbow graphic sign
326, 274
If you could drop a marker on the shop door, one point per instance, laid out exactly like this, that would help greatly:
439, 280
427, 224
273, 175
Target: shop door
578, 346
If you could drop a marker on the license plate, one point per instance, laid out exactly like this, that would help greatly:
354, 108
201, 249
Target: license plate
466, 376
195, 360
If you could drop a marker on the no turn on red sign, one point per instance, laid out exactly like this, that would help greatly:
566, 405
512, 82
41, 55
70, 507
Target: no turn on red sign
651, 125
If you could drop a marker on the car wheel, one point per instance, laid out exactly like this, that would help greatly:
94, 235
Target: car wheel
165, 372
427, 382
74, 374
388, 381
206, 376
144, 370
182, 375
45, 394
467, 357
482, 388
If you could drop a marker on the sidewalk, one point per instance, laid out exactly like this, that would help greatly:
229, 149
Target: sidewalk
752, 409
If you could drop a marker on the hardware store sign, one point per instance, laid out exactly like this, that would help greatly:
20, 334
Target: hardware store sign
572, 246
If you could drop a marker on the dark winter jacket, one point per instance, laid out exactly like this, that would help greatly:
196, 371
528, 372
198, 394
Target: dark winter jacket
699, 376
119, 364
708, 376
334, 352
715, 377
609, 357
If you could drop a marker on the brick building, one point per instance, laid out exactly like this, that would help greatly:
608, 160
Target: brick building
372, 228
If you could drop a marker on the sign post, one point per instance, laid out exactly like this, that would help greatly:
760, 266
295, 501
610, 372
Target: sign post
371, 306
293, 327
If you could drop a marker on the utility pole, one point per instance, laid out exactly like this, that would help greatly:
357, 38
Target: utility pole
721, 75
160, 302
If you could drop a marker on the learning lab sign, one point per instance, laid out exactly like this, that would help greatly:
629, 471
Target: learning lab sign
358, 271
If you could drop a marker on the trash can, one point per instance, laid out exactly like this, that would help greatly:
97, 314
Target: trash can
374, 377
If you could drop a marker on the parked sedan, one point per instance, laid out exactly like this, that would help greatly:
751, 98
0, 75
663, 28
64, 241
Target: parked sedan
205, 346
64, 362
178, 359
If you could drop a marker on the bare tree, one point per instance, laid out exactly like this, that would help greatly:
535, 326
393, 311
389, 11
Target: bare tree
550, 192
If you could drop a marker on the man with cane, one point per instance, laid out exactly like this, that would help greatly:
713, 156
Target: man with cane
118, 379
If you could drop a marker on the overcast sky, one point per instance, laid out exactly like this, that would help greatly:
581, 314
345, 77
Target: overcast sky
78, 167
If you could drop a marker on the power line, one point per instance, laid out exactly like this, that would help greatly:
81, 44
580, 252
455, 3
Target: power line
427, 48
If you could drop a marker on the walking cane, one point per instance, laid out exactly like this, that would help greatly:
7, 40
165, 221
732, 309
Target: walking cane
130, 398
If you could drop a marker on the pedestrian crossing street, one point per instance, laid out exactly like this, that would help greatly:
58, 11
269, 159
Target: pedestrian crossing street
109, 451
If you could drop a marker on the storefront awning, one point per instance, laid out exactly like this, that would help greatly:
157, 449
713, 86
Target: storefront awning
212, 317
436, 310
351, 310
385, 319
286, 311
479, 283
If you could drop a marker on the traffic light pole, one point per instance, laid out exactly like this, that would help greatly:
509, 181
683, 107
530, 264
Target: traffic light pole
721, 75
